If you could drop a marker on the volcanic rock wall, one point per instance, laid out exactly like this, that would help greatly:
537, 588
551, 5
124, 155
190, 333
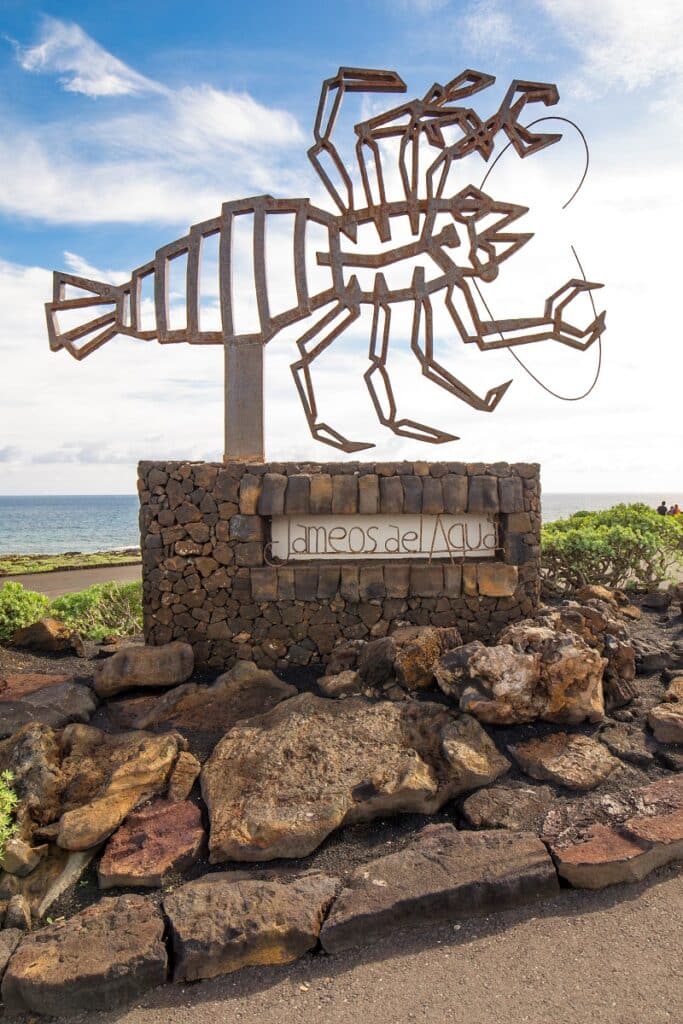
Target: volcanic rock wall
205, 535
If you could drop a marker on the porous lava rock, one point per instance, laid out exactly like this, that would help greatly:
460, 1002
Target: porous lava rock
220, 923
104, 777
442, 875
522, 808
408, 656
204, 713
33, 757
279, 783
99, 959
153, 843
473, 757
534, 672
627, 742
571, 760
144, 666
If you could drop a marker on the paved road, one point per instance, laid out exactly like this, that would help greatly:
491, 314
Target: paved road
585, 958
56, 583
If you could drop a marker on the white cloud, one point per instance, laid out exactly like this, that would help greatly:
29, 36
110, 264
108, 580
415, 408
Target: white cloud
627, 45
84, 66
488, 26
175, 159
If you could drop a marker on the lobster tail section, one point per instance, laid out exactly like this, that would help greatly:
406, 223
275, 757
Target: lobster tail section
87, 332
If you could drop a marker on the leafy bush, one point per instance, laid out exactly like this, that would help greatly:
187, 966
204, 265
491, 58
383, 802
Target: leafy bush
19, 607
8, 801
628, 545
102, 610
99, 611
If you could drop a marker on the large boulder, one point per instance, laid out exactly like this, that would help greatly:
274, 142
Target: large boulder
442, 875
407, 656
533, 672
219, 923
203, 714
49, 635
104, 777
100, 959
153, 843
279, 783
142, 666
571, 760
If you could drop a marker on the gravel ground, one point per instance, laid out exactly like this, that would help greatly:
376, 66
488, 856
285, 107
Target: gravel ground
611, 957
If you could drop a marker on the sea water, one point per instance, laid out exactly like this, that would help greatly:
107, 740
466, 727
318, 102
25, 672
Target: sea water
104, 522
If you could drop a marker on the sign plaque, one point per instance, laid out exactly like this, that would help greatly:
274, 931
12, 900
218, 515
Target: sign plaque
343, 537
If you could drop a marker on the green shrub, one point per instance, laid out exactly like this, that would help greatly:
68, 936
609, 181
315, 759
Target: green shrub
19, 607
102, 610
8, 801
99, 611
628, 545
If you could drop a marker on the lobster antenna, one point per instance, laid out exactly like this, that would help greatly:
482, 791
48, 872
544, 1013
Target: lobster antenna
555, 394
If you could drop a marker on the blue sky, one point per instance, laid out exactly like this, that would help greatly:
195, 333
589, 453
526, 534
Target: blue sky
122, 123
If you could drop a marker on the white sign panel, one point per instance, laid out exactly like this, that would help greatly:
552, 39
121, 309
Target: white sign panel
381, 537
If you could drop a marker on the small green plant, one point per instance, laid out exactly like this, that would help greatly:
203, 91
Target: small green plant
19, 607
102, 610
624, 546
8, 803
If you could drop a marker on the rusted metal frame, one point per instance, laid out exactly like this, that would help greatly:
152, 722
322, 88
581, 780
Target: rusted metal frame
304, 383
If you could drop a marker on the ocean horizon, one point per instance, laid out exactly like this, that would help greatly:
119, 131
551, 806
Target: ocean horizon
85, 523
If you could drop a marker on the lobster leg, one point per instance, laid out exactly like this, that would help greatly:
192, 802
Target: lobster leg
552, 326
422, 344
311, 345
379, 382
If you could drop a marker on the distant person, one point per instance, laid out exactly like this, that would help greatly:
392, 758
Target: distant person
674, 511
663, 508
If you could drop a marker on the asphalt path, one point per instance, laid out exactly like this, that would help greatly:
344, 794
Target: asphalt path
612, 957
54, 584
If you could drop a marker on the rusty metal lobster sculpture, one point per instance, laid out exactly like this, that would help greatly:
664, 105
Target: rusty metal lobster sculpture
485, 245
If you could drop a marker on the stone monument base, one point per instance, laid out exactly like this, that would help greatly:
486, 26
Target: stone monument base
366, 546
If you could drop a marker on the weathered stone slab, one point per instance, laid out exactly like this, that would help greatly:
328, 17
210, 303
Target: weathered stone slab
152, 843
444, 875
627, 742
279, 783
48, 635
55, 706
17, 685
138, 665
100, 959
571, 760
220, 924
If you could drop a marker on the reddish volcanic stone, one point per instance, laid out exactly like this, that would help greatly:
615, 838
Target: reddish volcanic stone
152, 843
